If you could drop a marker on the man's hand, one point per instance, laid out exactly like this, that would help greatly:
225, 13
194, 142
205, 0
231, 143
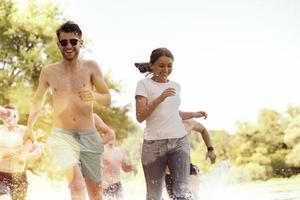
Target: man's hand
134, 170
108, 136
29, 134
86, 95
35, 151
212, 156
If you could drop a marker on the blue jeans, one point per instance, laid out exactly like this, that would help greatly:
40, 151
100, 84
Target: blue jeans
156, 156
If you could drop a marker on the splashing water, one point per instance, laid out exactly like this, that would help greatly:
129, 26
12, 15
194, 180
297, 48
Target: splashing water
222, 182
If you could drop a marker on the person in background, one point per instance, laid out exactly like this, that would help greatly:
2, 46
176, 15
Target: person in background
191, 125
105, 131
114, 160
15, 151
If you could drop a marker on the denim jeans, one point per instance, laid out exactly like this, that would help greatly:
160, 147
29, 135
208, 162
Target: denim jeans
156, 156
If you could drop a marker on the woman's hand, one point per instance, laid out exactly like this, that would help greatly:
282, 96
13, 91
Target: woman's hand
200, 114
167, 93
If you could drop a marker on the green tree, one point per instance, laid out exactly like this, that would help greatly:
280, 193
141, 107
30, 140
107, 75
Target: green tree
28, 42
259, 147
292, 137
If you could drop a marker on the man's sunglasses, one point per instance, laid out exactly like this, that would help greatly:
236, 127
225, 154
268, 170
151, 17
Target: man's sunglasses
65, 42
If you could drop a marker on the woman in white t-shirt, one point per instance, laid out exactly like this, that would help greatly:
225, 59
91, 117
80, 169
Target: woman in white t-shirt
165, 139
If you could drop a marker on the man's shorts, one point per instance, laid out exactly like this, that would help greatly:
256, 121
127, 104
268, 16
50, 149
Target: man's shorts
14, 185
113, 191
77, 147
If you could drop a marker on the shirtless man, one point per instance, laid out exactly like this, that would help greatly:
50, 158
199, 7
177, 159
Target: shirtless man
190, 126
74, 139
114, 159
14, 152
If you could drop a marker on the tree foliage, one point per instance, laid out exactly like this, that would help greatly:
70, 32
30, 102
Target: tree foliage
28, 42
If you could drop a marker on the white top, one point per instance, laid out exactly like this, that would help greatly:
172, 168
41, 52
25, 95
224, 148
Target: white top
164, 122
10, 140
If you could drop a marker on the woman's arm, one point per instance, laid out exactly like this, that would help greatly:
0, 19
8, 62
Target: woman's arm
127, 166
206, 138
189, 115
106, 132
145, 108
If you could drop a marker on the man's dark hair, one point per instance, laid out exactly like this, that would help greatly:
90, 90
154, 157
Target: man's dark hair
69, 27
9, 106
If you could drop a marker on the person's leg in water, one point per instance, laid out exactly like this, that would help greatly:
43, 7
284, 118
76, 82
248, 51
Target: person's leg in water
4, 187
18, 186
91, 163
77, 185
194, 181
169, 185
154, 161
179, 165
94, 189
114, 192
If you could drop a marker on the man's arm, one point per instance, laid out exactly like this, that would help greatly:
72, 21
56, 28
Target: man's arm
190, 115
107, 133
127, 166
102, 96
198, 127
37, 104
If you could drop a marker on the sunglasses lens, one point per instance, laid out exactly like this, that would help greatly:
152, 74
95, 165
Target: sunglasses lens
63, 42
73, 42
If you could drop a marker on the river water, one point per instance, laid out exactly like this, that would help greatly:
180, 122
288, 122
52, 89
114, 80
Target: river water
215, 185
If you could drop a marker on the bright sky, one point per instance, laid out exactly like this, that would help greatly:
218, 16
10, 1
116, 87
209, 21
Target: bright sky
232, 57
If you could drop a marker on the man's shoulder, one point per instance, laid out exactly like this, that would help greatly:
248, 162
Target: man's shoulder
51, 67
90, 63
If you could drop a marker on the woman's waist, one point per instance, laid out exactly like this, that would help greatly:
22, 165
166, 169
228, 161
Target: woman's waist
160, 134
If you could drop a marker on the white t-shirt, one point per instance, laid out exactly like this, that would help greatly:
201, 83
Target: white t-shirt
164, 122
11, 139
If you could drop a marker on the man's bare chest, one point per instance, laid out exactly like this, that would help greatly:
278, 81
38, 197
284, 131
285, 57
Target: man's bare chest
112, 157
72, 83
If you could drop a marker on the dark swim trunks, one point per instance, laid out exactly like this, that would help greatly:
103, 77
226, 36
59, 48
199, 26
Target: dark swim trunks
194, 170
113, 190
14, 184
